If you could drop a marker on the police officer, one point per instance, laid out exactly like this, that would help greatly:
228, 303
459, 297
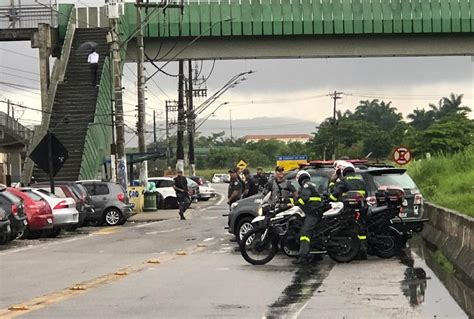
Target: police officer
347, 180
250, 184
235, 187
261, 178
311, 203
283, 192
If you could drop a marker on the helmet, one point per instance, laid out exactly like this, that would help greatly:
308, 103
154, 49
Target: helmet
302, 176
338, 165
347, 167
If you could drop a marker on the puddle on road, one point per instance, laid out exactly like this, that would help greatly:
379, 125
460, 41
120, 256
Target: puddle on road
431, 289
304, 285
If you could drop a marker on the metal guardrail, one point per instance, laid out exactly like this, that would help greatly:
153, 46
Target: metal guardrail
14, 127
25, 16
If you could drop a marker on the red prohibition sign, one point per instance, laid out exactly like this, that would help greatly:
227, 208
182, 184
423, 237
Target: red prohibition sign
401, 155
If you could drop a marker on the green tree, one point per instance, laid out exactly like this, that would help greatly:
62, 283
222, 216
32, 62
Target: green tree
448, 106
421, 119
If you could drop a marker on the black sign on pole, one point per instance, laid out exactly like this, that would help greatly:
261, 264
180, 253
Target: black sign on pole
50, 155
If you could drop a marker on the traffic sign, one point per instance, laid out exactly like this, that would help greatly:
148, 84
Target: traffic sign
290, 162
241, 164
401, 155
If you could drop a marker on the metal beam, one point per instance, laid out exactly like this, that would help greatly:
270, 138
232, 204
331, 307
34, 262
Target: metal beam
262, 47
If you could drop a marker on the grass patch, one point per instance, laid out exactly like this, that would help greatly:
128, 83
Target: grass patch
447, 180
443, 261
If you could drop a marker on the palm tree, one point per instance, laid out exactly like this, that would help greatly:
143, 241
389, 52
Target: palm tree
450, 106
421, 119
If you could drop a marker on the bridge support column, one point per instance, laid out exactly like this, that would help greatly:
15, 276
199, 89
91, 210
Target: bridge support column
42, 41
15, 164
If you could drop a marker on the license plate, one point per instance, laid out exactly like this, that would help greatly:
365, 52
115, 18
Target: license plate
49, 220
25, 222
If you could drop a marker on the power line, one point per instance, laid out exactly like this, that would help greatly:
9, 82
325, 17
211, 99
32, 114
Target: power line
22, 54
18, 70
21, 77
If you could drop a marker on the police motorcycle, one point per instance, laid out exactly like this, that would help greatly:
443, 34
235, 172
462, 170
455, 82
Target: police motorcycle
279, 226
384, 239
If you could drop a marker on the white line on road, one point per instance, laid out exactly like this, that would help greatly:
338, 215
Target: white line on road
209, 239
17, 250
163, 231
220, 200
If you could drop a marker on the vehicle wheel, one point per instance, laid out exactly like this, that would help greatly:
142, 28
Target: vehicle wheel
53, 233
290, 247
113, 217
95, 222
170, 203
257, 250
343, 247
387, 243
243, 226
3, 239
33, 234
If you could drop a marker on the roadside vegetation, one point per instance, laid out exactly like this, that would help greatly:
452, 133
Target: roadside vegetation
447, 180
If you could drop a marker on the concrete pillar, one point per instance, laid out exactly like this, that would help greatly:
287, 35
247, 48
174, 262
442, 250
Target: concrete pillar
43, 43
15, 164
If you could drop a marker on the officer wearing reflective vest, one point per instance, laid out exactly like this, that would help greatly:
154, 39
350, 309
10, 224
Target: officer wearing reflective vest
346, 180
311, 203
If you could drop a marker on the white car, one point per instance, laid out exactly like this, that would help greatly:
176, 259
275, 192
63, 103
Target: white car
221, 178
164, 186
64, 209
206, 191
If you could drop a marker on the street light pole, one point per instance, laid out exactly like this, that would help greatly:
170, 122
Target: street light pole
191, 118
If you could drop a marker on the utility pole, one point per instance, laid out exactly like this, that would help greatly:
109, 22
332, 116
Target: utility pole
230, 120
171, 106
118, 99
181, 120
143, 170
336, 96
191, 124
154, 126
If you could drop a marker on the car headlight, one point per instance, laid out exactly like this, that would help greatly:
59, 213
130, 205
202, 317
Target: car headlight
260, 211
233, 205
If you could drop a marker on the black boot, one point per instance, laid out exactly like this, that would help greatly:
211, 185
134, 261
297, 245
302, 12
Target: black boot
300, 261
181, 216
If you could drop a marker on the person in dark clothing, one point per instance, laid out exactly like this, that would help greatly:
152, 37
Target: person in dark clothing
348, 181
235, 187
262, 179
250, 184
311, 203
182, 193
283, 192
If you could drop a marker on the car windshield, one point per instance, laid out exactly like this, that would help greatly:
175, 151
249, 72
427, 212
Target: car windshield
401, 180
321, 182
11, 197
33, 196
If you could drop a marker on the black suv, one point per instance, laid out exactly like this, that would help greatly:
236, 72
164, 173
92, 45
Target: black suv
375, 175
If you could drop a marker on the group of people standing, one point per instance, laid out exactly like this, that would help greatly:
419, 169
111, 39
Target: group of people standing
243, 184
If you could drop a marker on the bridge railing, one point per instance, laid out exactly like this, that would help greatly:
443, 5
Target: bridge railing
14, 127
27, 14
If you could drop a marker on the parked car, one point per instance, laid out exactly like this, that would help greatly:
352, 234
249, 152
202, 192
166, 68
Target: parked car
38, 213
221, 178
13, 206
5, 228
205, 188
110, 203
193, 189
375, 175
71, 190
64, 210
164, 186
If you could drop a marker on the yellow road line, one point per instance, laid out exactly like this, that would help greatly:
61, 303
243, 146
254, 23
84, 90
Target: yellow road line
107, 230
56, 297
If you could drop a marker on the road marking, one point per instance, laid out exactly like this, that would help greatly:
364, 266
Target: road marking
47, 300
147, 224
106, 231
222, 269
220, 200
43, 246
163, 231
209, 239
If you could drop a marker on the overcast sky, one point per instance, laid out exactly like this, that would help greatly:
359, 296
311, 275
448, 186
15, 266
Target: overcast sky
280, 88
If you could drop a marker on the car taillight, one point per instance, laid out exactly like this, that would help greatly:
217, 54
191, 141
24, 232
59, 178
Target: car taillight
15, 209
418, 199
62, 204
371, 200
121, 197
357, 215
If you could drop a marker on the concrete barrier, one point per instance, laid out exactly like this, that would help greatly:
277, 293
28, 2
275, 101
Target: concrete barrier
453, 234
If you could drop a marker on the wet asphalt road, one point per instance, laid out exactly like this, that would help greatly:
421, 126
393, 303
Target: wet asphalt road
201, 276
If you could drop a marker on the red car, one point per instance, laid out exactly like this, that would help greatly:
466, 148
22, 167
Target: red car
38, 212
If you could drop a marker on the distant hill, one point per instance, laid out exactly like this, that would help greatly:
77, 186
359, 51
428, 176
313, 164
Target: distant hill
258, 125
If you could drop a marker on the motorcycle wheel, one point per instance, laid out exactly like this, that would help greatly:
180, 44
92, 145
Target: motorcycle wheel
289, 247
257, 251
386, 243
347, 248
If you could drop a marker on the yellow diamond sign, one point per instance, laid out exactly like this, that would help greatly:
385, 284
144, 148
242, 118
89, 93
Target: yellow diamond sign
242, 164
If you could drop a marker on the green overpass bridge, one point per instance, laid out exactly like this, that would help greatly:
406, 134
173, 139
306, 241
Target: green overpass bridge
259, 29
